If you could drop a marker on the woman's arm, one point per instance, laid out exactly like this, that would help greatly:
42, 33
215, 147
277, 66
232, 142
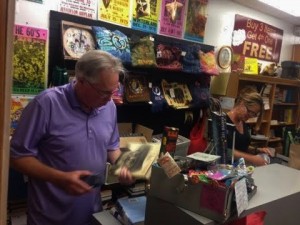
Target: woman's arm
253, 159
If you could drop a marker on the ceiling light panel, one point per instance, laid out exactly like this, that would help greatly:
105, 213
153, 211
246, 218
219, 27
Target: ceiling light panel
288, 6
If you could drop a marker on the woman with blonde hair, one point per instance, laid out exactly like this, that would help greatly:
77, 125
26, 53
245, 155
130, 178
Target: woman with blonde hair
249, 104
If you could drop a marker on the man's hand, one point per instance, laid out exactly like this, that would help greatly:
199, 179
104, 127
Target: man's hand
72, 182
125, 177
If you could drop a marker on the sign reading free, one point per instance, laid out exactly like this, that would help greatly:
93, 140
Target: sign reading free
256, 39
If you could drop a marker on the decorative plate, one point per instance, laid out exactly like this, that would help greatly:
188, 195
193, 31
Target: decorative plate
77, 39
224, 57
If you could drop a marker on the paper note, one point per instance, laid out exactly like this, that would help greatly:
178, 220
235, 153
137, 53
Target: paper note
241, 196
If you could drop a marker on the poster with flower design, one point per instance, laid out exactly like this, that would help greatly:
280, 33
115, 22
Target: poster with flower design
29, 59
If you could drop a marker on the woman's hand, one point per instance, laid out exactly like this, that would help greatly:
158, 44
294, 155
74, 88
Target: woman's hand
259, 161
265, 150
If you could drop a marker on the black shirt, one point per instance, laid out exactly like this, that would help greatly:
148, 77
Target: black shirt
242, 141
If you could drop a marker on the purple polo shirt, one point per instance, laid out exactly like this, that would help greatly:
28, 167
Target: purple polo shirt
54, 129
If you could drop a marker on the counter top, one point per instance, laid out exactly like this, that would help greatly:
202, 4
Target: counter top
278, 193
274, 182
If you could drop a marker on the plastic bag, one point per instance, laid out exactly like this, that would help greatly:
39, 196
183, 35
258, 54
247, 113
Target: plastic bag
198, 140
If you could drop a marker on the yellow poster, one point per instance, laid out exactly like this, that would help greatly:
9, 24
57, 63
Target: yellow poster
145, 15
116, 12
251, 66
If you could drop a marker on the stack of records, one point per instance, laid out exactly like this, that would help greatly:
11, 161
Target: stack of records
106, 195
130, 211
137, 189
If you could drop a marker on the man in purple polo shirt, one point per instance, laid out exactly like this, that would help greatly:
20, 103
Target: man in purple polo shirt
67, 133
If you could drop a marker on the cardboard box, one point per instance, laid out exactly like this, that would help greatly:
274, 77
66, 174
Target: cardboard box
129, 129
205, 200
182, 144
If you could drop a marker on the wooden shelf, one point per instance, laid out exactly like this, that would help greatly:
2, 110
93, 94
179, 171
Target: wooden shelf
254, 122
277, 109
283, 124
275, 139
270, 80
285, 104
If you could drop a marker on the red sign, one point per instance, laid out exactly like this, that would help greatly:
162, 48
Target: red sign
256, 39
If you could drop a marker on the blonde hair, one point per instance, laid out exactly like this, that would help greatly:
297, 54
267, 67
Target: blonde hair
249, 96
91, 63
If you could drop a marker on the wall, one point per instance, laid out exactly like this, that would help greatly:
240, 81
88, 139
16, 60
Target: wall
218, 30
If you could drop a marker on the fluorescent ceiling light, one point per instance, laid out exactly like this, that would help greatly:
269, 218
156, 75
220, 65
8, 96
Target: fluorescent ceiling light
288, 6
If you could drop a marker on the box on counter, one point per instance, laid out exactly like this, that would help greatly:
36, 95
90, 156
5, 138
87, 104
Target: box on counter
206, 200
134, 133
182, 144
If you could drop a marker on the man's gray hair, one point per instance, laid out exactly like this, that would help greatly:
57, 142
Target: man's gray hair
90, 65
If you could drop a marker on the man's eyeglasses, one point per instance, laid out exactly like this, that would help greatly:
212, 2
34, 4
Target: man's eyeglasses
102, 94
252, 113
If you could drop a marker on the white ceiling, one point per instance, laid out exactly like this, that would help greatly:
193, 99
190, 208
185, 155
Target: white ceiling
254, 4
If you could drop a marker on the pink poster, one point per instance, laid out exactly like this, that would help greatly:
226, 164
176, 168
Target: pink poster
29, 59
172, 18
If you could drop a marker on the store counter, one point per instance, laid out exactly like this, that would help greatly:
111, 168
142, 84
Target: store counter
278, 193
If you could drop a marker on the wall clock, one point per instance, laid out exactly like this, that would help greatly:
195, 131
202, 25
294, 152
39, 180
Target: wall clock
77, 39
224, 57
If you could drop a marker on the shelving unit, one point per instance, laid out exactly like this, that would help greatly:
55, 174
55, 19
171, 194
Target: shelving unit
296, 53
136, 113
283, 100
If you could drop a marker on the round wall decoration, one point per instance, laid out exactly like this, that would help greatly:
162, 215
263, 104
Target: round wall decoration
77, 39
224, 57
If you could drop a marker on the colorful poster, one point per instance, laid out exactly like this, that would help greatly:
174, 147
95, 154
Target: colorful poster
172, 17
29, 59
18, 103
255, 39
116, 12
145, 15
83, 8
195, 20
